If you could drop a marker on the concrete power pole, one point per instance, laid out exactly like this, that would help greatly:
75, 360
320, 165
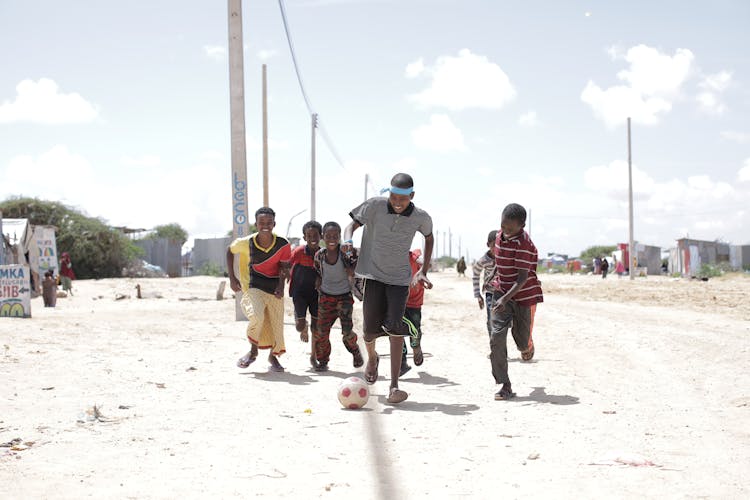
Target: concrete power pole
265, 140
631, 246
312, 168
240, 224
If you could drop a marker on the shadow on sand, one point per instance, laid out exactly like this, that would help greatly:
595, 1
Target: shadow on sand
289, 378
538, 395
455, 409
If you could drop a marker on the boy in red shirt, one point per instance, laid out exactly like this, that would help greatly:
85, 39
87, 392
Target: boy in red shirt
413, 314
302, 284
517, 291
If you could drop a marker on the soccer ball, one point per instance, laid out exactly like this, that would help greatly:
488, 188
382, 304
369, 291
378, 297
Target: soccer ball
353, 393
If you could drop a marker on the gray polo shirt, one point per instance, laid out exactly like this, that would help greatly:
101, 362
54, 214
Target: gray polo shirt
387, 238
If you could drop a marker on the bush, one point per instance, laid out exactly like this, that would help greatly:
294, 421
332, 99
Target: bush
210, 269
97, 250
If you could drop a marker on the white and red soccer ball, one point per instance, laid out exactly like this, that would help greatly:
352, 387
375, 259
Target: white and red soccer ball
353, 393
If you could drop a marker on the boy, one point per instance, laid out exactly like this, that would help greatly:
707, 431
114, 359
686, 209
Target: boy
302, 283
263, 266
49, 289
335, 299
517, 290
390, 225
485, 265
413, 315
66, 273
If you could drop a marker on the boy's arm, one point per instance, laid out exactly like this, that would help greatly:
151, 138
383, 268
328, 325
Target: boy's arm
348, 233
476, 271
421, 275
234, 283
523, 276
283, 276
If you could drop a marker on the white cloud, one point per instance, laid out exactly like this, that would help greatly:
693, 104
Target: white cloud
466, 81
614, 105
439, 135
528, 119
56, 175
739, 137
414, 69
266, 54
42, 102
712, 86
142, 161
216, 52
744, 173
653, 81
253, 145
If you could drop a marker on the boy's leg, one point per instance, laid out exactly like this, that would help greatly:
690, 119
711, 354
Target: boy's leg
275, 319
253, 308
501, 322
326, 317
345, 308
300, 314
413, 316
373, 312
396, 306
521, 329
488, 306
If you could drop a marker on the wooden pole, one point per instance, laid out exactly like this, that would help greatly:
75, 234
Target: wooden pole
240, 224
265, 140
312, 168
631, 246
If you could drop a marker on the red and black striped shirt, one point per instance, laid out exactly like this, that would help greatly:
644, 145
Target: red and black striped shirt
511, 255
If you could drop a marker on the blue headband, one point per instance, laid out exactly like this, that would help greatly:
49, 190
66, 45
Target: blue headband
398, 190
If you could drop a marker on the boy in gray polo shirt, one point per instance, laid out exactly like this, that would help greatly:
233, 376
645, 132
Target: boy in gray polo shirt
389, 228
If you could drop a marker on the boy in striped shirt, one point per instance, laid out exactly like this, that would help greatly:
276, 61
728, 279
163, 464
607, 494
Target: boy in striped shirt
517, 290
485, 265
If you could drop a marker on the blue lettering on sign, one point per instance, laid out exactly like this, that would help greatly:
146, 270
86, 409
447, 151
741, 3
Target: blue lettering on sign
14, 273
239, 205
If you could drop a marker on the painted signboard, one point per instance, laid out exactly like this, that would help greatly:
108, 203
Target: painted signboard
15, 292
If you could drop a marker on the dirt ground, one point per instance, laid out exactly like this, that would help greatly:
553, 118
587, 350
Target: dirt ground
638, 389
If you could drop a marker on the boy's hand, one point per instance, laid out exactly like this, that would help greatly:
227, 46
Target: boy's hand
420, 277
279, 292
481, 302
499, 306
234, 284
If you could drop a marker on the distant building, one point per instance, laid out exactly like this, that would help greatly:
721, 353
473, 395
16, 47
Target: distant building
690, 255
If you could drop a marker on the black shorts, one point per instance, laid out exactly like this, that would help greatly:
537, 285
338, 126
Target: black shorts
383, 309
304, 301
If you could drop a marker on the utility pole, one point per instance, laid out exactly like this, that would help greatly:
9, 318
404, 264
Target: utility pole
459, 246
444, 240
367, 178
265, 140
312, 168
631, 246
240, 224
450, 243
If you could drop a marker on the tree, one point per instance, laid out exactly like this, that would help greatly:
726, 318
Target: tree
173, 232
596, 251
97, 250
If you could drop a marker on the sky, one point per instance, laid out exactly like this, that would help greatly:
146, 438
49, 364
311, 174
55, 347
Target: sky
121, 110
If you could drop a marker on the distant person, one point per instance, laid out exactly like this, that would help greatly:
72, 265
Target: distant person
335, 300
619, 268
413, 315
66, 273
389, 228
605, 267
263, 266
484, 268
49, 289
597, 265
302, 283
517, 291
461, 266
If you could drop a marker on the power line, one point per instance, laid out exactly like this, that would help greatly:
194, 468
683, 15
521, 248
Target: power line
323, 132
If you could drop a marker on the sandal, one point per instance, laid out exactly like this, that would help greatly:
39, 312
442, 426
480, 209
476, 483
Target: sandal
396, 396
504, 393
528, 354
246, 360
418, 355
357, 359
372, 377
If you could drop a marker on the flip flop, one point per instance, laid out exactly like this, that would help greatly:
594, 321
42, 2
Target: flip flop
275, 365
370, 377
528, 354
396, 396
418, 355
246, 360
504, 394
